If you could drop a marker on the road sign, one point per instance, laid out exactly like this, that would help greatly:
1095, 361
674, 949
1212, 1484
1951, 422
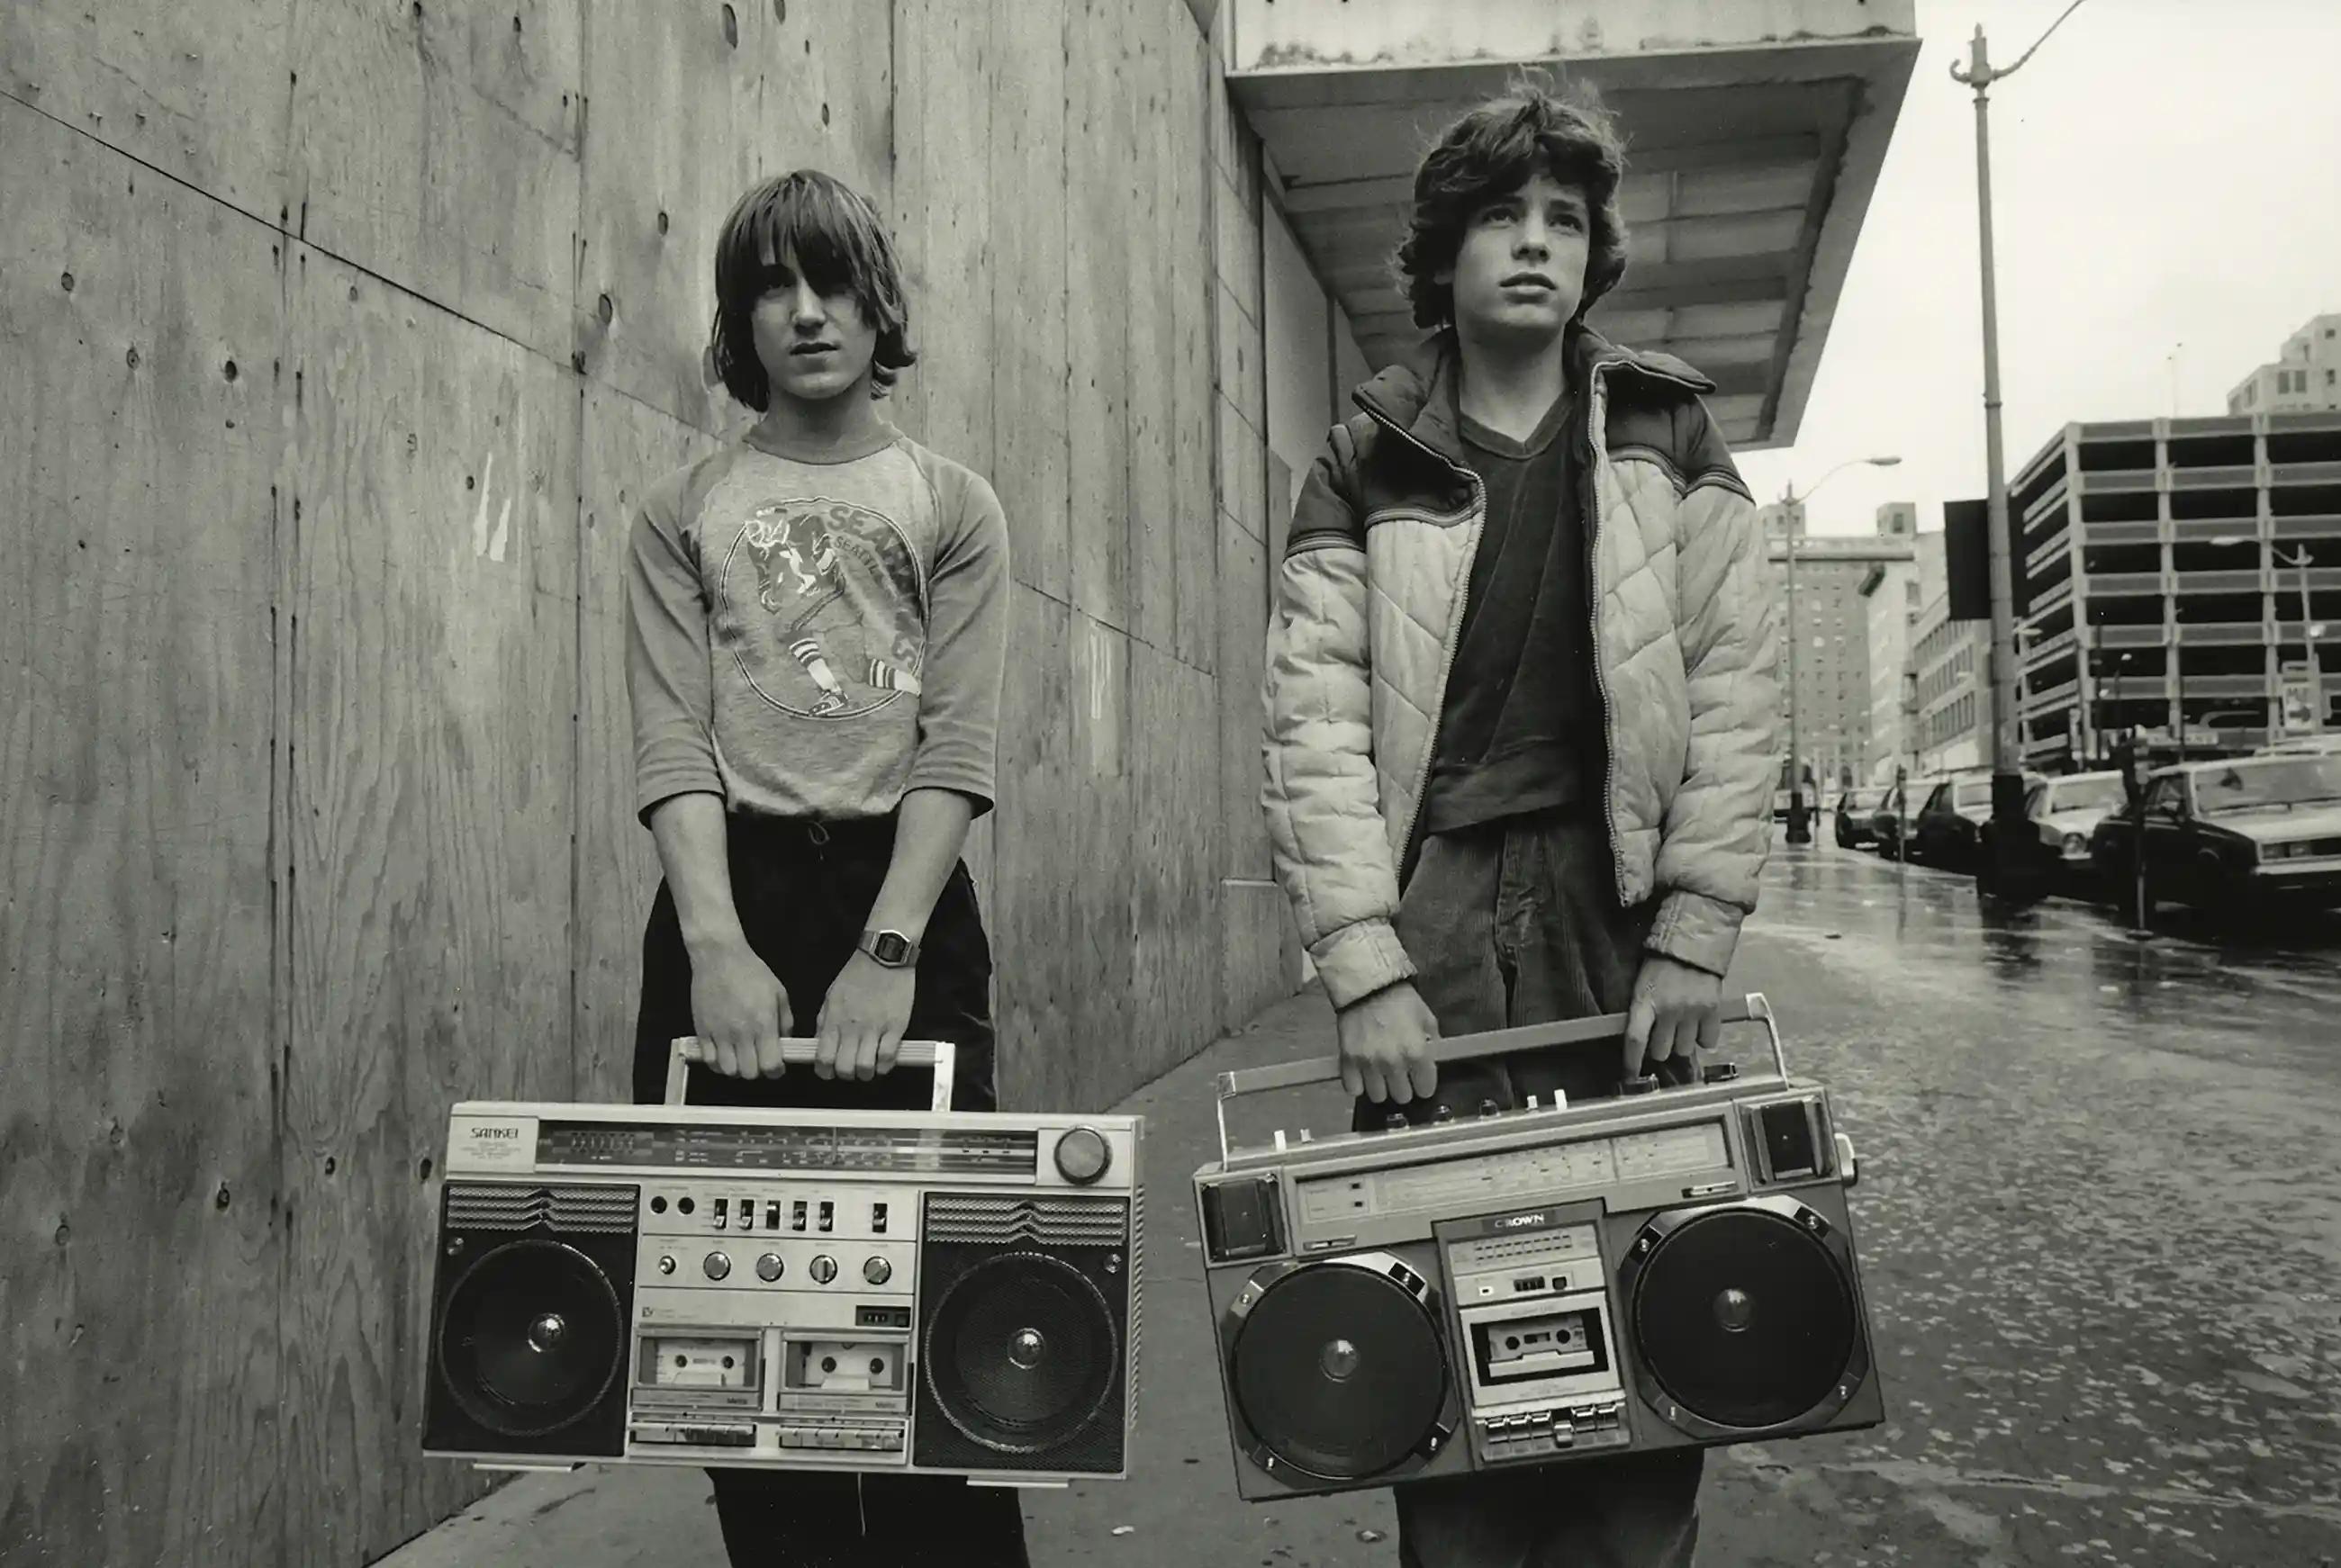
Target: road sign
2302, 702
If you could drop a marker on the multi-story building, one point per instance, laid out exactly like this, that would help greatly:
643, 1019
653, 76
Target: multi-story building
1825, 656
1949, 709
2305, 378
1890, 590
2181, 572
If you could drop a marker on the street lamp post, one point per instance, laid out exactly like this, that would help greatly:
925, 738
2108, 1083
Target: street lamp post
2006, 781
1792, 511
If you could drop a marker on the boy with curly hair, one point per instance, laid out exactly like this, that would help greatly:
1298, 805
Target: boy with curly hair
1519, 707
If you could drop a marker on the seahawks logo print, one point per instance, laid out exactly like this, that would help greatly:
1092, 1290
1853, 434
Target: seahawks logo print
823, 605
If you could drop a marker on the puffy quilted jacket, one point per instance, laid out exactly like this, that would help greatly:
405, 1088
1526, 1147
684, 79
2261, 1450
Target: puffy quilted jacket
1368, 608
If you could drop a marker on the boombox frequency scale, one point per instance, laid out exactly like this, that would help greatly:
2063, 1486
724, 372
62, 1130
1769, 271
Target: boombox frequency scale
1671, 1267
938, 1292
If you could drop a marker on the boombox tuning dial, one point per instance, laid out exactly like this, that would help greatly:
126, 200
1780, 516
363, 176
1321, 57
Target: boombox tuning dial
768, 1267
877, 1271
1084, 1155
823, 1269
718, 1267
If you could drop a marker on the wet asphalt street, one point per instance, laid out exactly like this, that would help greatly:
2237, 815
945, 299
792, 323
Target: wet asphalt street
2100, 1216
2100, 1226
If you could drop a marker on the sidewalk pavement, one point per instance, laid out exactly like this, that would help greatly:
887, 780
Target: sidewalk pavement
1180, 1505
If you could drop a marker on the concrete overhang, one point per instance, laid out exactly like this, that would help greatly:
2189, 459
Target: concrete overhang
1755, 132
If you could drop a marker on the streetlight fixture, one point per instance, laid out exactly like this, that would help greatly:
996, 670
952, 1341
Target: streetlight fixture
1792, 511
2007, 781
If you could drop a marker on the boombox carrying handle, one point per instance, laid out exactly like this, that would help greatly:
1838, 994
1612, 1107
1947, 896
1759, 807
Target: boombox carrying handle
1494, 1042
939, 1054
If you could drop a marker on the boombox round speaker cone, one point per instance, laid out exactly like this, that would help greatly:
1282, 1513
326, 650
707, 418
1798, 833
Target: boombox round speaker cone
1020, 1353
1339, 1369
532, 1338
1743, 1317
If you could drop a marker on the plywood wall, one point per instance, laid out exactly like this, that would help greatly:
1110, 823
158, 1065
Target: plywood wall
355, 333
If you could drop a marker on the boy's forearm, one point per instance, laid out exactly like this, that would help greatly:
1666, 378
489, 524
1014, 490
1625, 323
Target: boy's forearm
930, 831
693, 848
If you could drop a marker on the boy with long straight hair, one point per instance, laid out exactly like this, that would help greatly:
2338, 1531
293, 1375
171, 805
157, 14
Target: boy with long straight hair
816, 633
1519, 711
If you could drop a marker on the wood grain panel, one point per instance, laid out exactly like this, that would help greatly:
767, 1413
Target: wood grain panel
1176, 831
827, 97
139, 1249
196, 89
687, 111
627, 447
432, 614
1098, 191
669, 142
1030, 450
1243, 664
1150, 294
1098, 1063
942, 205
1030, 909
436, 146
1263, 951
1194, 533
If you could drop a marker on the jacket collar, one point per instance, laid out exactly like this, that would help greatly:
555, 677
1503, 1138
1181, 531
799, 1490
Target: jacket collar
1417, 395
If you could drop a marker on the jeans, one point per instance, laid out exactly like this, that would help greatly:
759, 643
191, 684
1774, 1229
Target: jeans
1509, 923
803, 893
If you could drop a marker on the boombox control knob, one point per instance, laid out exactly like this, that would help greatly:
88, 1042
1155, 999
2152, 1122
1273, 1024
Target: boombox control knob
666, 1265
768, 1267
717, 1265
823, 1269
877, 1271
1082, 1156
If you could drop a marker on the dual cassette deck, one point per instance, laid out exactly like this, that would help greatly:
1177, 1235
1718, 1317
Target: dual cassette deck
940, 1293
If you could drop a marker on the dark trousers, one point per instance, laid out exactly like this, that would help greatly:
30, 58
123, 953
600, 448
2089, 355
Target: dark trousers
804, 892
1510, 923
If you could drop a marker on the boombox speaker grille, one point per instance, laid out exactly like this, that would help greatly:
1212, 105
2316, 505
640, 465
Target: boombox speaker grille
1339, 1371
1744, 1318
532, 1338
1025, 1313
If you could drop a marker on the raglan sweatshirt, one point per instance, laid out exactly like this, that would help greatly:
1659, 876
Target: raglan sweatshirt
814, 638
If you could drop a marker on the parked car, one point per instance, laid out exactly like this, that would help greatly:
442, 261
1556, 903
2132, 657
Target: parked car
1856, 811
1888, 820
2227, 836
2310, 745
1949, 829
2063, 812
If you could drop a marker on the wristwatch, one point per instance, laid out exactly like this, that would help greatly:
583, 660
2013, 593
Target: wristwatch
890, 949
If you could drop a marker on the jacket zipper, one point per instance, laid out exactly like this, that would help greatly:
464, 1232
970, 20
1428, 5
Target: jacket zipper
1477, 520
1595, 408
1595, 424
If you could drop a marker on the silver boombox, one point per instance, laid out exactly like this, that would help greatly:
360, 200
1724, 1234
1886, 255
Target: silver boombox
1672, 1267
923, 1293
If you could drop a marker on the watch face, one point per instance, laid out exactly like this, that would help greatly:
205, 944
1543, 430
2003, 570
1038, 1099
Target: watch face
890, 947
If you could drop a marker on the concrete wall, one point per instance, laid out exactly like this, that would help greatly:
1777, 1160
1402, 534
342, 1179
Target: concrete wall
344, 340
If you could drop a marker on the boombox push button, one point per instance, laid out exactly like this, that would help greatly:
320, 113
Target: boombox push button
717, 1265
823, 1269
768, 1267
877, 1271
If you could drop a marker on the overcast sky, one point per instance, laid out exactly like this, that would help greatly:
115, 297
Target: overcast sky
2164, 172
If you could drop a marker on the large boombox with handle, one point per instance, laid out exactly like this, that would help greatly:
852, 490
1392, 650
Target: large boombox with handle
925, 1293
1671, 1267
